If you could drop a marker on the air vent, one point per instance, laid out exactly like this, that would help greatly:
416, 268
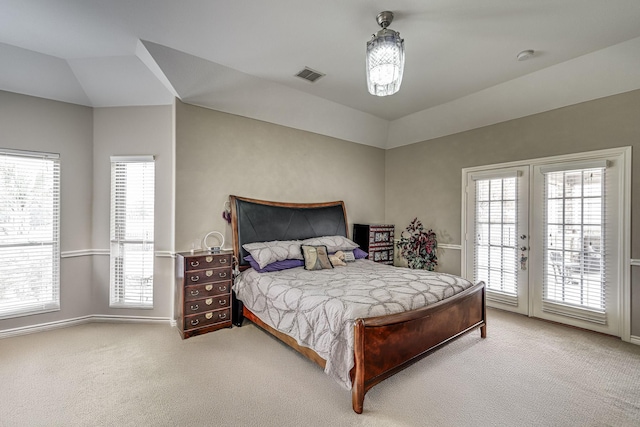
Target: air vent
309, 74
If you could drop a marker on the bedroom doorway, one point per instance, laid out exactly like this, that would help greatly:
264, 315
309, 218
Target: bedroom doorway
550, 238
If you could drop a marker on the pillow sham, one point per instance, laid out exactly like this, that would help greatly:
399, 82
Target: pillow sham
315, 257
274, 266
265, 253
333, 243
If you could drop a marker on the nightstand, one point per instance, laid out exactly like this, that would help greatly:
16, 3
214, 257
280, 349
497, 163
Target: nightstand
203, 292
376, 240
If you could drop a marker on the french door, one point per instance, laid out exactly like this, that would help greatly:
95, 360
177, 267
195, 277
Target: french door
547, 237
498, 203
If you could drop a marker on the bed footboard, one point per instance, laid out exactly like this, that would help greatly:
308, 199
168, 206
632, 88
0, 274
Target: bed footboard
387, 344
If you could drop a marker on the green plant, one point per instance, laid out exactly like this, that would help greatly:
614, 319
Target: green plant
418, 246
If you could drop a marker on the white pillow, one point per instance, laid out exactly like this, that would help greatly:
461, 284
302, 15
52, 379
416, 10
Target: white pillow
333, 243
265, 253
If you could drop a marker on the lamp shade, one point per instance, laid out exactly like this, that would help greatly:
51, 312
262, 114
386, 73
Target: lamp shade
385, 62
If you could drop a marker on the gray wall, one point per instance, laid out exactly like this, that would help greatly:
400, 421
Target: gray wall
85, 138
122, 131
36, 124
424, 179
218, 154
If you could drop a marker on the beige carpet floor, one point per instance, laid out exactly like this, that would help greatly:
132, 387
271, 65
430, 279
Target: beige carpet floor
526, 373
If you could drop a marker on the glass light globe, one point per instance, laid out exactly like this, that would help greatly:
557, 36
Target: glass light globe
385, 62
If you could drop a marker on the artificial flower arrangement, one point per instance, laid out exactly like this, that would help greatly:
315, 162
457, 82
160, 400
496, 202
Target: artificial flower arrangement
418, 246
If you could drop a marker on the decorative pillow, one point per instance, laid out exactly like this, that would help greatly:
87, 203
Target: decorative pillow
359, 253
338, 258
265, 253
333, 243
351, 256
315, 257
274, 266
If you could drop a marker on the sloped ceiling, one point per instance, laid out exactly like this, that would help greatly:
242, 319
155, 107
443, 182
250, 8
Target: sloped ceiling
241, 57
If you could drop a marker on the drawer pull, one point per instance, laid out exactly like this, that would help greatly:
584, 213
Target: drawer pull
222, 301
195, 278
194, 322
208, 287
222, 288
208, 315
194, 263
194, 292
222, 316
195, 307
223, 260
208, 301
209, 259
223, 274
209, 273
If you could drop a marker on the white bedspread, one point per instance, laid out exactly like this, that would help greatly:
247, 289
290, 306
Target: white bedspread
318, 308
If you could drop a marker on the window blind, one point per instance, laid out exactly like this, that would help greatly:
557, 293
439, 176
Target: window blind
29, 233
496, 252
132, 234
574, 281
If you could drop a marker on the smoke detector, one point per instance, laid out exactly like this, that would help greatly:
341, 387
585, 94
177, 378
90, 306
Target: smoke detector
525, 54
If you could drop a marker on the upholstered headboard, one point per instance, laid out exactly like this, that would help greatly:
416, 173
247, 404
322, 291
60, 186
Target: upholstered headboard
261, 221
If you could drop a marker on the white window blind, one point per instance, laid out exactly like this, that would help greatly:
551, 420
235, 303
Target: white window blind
496, 252
132, 222
574, 243
29, 233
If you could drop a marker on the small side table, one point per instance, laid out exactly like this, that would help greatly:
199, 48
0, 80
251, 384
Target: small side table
377, 240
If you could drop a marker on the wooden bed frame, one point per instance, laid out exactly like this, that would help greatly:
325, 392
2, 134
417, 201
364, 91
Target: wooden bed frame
383, 345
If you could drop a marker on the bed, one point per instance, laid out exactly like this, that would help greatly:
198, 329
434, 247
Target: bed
382, 345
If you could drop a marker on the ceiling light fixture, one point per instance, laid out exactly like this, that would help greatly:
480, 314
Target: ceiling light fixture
385, 58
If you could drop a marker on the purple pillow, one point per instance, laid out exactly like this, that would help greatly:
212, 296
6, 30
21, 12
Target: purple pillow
274, 266
359, 253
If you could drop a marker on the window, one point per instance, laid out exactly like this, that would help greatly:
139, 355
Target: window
574, 244
496, 251
29, 233
132, 221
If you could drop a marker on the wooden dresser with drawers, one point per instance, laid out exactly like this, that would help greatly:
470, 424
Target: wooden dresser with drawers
203, 292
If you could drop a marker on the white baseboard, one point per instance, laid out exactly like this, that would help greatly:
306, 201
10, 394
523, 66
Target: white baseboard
94, 318
634, 340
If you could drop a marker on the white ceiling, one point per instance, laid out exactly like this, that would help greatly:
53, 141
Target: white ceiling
241, 56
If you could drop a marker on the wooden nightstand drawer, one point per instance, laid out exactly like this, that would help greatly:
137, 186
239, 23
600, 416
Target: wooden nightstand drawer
382, 255
202, 262
208, 318
381, 235
206, 290
207, 304
208, 276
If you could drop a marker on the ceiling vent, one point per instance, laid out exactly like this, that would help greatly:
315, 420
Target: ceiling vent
309, 74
